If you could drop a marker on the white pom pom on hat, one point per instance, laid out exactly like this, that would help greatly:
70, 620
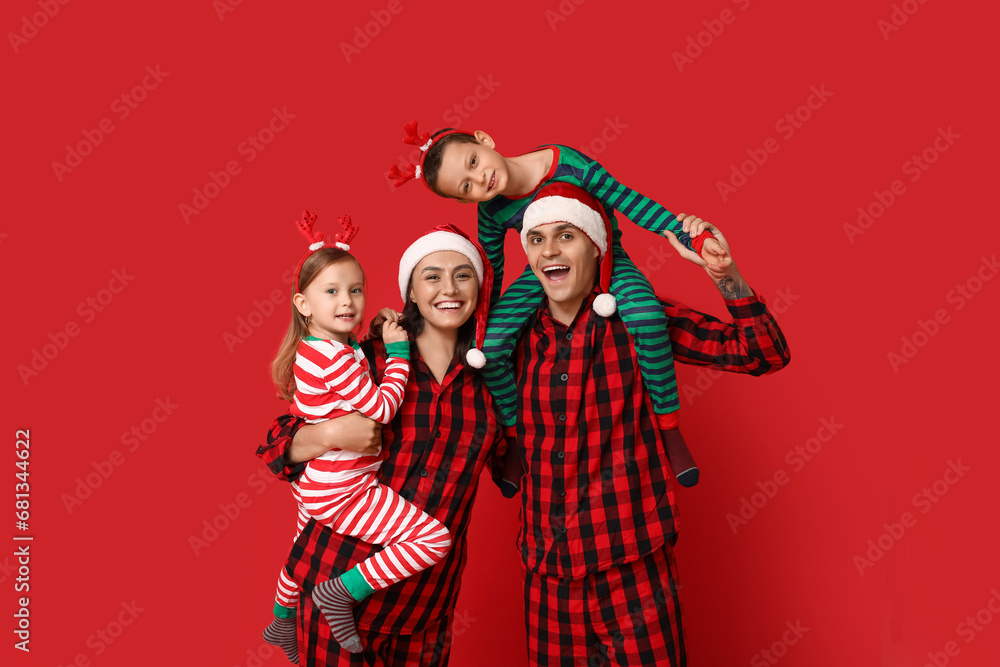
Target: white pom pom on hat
476, 358
605, 305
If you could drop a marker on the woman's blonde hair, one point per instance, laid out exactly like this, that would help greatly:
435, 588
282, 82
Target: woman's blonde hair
282, 369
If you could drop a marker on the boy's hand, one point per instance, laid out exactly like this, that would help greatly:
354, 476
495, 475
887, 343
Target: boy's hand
716, 250
713, 253
393, 333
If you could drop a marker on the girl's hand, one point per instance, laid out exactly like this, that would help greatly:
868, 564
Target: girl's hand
393, 333
387, 315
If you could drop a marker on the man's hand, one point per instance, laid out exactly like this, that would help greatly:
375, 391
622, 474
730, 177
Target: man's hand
723, 272
353, 432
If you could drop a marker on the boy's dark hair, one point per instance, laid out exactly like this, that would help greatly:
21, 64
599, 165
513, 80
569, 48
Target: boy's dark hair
432, 163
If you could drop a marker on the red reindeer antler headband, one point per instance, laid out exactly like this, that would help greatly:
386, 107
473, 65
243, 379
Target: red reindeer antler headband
423, 142
342, 240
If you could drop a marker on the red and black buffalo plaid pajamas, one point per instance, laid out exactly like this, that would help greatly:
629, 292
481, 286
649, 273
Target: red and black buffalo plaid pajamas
599, 519
436, 447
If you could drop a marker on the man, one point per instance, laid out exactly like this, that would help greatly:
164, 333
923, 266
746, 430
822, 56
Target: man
599, 521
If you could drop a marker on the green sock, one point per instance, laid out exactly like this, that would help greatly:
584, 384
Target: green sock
356, 585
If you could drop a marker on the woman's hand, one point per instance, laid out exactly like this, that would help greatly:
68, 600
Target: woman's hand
353, 432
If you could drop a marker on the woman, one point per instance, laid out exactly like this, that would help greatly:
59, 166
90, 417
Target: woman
445, 432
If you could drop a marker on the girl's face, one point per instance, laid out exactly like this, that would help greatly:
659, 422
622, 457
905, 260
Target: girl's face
445, 289
334, 301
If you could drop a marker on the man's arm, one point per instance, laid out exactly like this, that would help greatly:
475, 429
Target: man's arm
291, 442
752, 343
274, 453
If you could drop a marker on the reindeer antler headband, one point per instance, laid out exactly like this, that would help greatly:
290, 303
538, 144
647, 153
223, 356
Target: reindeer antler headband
423, 142
342, 240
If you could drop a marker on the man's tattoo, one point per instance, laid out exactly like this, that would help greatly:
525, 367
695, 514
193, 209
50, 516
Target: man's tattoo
732, 290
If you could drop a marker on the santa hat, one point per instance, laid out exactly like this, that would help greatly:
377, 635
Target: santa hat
564, 202
316, 239
449, 237
424, 142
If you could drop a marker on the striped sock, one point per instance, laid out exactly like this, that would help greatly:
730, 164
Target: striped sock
281, 633
337, 604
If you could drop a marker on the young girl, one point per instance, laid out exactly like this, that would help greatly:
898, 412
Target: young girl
321, 367
465, 166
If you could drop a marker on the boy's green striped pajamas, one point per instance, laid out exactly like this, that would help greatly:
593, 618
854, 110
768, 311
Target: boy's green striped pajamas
639, 307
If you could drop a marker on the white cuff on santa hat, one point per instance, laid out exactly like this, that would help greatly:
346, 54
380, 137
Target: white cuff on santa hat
432, 243
546, 210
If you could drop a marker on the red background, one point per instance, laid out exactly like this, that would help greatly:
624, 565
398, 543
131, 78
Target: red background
552, 77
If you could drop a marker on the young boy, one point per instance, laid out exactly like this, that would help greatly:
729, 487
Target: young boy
465, 166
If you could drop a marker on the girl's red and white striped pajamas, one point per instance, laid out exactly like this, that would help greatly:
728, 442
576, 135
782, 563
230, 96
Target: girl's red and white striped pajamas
340, 489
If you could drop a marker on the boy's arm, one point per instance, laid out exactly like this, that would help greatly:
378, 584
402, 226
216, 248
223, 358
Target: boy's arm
491, 237
640, 209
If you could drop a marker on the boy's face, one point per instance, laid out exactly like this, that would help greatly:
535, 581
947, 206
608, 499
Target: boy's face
472, 172
564, 260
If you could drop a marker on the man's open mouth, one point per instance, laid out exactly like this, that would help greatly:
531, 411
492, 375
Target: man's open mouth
556, 273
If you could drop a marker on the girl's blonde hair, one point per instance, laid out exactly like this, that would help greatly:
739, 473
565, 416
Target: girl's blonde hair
282, 369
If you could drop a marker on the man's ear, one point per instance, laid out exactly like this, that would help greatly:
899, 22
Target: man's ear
484, 139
